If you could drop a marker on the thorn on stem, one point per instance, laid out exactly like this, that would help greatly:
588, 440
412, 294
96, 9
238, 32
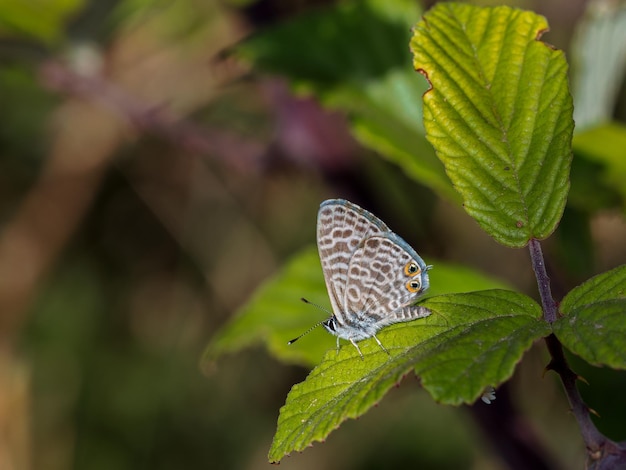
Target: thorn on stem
582, 379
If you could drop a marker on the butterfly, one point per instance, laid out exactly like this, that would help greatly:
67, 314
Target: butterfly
372, 275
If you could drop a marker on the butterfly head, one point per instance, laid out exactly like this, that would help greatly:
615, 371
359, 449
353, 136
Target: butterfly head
331, 325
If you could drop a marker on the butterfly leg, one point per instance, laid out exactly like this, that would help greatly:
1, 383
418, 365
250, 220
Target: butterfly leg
337, 344
357, 348
381, 345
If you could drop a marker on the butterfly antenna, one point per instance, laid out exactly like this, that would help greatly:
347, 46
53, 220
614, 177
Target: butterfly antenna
305, 333
314, 326
306, 301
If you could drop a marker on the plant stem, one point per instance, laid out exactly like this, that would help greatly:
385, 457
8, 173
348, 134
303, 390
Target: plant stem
543, 281
598, 446
594, 439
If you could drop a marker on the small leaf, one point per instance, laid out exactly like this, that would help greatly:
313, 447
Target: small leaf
275, 314
594, 321
470, 342
499, 115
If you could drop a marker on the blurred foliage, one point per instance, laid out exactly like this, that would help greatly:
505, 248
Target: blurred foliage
124, 248
609, 157
359, 63
41, 20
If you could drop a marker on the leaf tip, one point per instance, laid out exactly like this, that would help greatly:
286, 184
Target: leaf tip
276, 461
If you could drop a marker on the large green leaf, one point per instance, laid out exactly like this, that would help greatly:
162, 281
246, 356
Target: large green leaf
274, 314
594, 321
354, 57
499, 115
471, 341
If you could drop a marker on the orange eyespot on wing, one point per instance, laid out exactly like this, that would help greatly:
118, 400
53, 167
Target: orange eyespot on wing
411, 269
414, 286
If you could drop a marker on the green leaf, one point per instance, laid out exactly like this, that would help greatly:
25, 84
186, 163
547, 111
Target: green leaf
471, 341
499, 115
354, 58
492, 331
274, 314
596, 332
610, 285
594, 321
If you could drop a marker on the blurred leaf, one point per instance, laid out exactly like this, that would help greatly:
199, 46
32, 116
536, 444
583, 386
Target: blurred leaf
359, 63
594, 321
355, 42
599, 58
588, 191
275, 314
604, 145
44, 20
471, 341
499, 115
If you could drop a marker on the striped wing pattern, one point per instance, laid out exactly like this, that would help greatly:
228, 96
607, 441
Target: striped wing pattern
372, 275
341, 226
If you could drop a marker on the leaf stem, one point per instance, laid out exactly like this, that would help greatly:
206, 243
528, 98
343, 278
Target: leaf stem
594, 439
599, 447
543, 281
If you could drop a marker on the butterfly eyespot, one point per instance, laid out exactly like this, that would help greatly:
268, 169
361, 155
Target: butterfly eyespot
411, 269
414, 286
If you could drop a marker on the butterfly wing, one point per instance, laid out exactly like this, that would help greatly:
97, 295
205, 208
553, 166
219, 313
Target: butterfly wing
385, 277
341, 228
